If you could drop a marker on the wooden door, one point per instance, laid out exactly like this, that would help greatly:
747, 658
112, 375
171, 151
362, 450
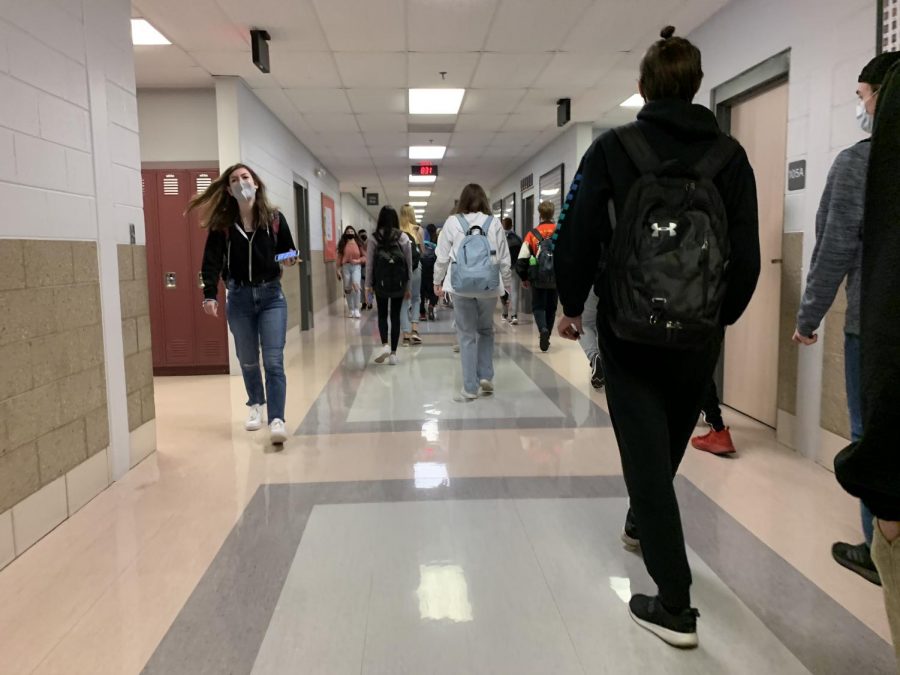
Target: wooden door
751, 345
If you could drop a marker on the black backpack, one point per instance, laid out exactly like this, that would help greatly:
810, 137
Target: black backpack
542, 274
514, 243
670, 249
416, 253
391, 271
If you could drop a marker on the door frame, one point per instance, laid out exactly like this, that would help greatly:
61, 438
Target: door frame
301, 216
768, 74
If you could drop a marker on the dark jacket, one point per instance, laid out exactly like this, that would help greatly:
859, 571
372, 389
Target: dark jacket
227, 255
870, 469
676, 130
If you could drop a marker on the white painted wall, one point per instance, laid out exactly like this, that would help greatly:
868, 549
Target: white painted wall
69, 153
830, 42
178, 125
565, 149
354, 213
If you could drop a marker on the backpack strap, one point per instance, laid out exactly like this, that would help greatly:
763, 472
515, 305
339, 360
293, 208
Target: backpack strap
537, 235
717, 157
638, 149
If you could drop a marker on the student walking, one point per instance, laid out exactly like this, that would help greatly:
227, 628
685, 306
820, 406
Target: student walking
511, 303
661, 321
472, 246
389, 261
412, 230
245, 234
535, 267
349, 269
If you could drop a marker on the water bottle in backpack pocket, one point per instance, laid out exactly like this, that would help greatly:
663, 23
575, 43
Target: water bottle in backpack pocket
391, 272
474, 271
541, 273
669, 251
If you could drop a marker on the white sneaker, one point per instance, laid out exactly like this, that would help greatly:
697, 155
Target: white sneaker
277, 432
356, 314
392, 360
514, 321
487, 388
385, 353
465, 397
456, 349
254, 419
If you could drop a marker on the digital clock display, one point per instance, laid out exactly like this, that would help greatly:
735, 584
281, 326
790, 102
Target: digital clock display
424, 170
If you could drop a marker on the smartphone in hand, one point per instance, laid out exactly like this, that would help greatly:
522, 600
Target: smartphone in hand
281, 257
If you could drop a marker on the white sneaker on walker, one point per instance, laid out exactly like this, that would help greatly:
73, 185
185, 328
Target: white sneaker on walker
277, 432
385, 353
254, 419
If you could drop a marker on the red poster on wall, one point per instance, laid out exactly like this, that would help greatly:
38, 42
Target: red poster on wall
329, 229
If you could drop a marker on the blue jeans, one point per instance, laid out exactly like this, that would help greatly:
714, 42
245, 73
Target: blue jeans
258, 315
352, 276
412, 304
475, 328
853, 377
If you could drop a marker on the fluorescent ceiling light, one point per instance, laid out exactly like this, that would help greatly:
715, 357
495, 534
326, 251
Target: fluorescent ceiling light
634, 101
423, 204
549, 193
420, 193
142, 33
435, 101
427, 151
422, 179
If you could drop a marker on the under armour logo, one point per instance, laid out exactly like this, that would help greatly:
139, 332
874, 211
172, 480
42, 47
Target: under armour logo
672, 229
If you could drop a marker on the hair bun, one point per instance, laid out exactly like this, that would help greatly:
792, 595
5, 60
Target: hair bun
667, 32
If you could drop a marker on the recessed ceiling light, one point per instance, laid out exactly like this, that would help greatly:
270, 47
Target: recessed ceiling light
633, 101
418, 204
435, 101
549, 193
420, 193
142, 33
427, 151
422, 179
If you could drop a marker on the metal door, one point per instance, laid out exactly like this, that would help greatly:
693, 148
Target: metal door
301, 203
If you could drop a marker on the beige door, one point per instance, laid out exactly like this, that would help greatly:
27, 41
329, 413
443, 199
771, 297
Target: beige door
751, 345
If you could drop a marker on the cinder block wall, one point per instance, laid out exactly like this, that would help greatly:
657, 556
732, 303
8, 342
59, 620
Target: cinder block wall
135, 306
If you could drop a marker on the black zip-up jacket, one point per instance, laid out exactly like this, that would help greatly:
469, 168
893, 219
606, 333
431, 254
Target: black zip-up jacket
675, 130
227, 255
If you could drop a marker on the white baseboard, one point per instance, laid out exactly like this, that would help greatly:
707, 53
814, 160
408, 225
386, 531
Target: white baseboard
87, 480
830, 444
786, 429
143, 442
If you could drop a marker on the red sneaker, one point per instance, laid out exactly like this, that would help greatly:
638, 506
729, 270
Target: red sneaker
715, 442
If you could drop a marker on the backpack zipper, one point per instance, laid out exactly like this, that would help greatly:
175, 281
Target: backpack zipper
250, 257
704, 261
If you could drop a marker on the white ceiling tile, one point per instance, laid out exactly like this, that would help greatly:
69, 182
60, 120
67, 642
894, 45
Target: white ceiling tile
234, 63
314, 100
196, 25
509, 71
307, 69
482, 122
514, 139
360, 69
463, 24
168, 66
428, 139
529, 122
491, 100
382, 122
576, 71
292, 25
332, 122
425, 69
364, 100
370, 26
469, 139
534, 25
338, 139
386, 153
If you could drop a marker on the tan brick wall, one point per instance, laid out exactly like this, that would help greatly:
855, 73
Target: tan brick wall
835, 416
53, 413
135, 302
791, 280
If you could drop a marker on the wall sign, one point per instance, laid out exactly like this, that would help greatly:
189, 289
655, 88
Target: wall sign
329, 229
372, 199
797, 175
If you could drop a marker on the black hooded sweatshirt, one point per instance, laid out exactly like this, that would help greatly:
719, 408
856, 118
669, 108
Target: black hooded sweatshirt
676, 130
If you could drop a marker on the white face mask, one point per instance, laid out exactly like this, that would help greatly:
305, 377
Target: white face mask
866, 119
243, 192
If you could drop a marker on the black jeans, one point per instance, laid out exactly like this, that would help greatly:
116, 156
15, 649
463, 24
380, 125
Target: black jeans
394, 304
712, 413
543, 305
654, 400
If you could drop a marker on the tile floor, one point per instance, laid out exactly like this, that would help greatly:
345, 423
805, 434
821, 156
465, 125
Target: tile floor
397, 534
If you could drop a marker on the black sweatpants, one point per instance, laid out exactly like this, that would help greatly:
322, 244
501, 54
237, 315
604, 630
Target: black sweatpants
654, 399
394, 304
710, 405
543, 306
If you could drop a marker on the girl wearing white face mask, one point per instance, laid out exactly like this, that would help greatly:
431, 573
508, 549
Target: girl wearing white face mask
246, 233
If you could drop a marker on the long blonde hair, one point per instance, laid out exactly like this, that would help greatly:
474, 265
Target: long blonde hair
408, 223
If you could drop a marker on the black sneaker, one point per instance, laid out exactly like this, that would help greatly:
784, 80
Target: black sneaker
856, 559
678, 630
630, 532
598, 379
431, 314
545, 340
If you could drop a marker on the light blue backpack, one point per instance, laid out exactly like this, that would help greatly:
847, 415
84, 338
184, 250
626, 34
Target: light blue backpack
474, 270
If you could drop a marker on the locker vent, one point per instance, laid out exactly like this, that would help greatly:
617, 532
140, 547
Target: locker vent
170, 184
211, 349
143, 186
178, 350
204, 180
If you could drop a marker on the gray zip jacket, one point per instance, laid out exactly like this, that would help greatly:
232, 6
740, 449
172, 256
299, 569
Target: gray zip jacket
838, 251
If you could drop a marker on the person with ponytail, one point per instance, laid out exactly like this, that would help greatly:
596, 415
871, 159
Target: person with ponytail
350, 259
246, 233
654, 391
411, 229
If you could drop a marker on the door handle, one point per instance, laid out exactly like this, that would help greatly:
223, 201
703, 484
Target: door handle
777, 261
169, 280
200, 279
